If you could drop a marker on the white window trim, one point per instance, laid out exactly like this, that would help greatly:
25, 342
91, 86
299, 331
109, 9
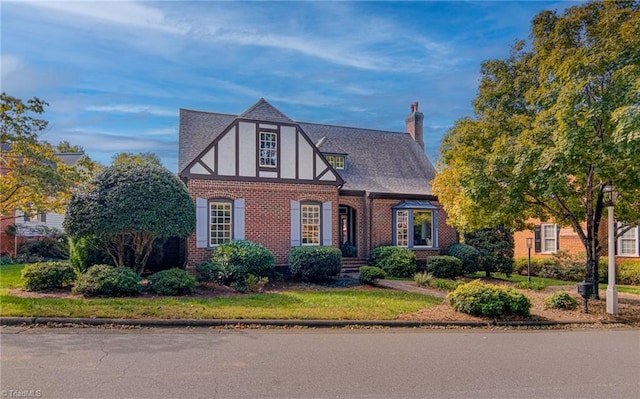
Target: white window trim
634, 231
543, 238
275, 150
302, 224
409, 227
210, 223
404, 219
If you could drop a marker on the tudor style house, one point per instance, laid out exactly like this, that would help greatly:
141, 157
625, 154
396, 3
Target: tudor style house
263, 177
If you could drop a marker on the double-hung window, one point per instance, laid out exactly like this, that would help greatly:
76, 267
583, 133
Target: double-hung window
268, 149
220, 222
546, 238
628, 243
310, 223
336, 161
415, 225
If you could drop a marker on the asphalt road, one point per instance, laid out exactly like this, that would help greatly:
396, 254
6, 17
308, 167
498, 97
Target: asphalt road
386, 363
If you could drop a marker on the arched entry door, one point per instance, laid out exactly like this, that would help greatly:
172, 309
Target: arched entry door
347, 225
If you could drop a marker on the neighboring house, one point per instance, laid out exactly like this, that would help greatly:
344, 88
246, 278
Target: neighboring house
30, 227
550, 238
263, 177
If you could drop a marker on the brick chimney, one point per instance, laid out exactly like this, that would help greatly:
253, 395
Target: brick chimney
414, 124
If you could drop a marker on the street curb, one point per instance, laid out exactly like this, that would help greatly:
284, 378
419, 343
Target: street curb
32, 321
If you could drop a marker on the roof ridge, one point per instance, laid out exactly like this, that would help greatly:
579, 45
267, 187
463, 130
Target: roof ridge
207, 112
352, 127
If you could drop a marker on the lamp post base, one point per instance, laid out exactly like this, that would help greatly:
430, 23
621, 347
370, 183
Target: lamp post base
612, 299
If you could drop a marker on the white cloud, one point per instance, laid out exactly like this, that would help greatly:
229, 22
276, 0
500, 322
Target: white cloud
118, 12
132, 109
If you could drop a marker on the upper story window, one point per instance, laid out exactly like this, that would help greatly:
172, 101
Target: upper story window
337, 161
268, 149
628, 243
220, 222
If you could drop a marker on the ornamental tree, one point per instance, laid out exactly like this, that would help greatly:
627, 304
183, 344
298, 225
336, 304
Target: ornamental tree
32, 178
129, 207
554, 123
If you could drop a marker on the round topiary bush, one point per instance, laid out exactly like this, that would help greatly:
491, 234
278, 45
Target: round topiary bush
315, 264
395, 261
488, 300
172, 282
468, 255
444, 266
108, 281
47, 275
560, 300
368, 274
232, 261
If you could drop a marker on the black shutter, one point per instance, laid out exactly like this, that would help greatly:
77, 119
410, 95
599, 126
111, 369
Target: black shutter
537, 241
557, 237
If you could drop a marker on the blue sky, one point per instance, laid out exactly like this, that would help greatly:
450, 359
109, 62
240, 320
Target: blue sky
116, 73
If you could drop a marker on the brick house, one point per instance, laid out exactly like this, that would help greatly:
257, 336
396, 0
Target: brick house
549, 238
263, 177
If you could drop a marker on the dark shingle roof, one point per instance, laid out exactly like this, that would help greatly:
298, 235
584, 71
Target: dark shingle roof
198, 130
69, 158
377, 161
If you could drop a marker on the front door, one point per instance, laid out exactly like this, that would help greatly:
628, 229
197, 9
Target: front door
347, 225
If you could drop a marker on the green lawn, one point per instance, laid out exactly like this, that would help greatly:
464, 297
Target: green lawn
326, 304
516, 278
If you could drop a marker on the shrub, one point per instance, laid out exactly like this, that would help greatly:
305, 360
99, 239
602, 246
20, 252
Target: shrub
395, 261
520, 265
172, 282
251, 283
468, 255
232, 261
315, 263
87, 251
205, 272
108, 281
444, 266
629, 272
45, 248
488, 300
533, 286
368, 274
423, 279
6, 260
560, 300
47, 275
496, 249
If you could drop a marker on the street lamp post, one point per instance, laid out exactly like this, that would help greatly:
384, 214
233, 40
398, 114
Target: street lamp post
529, 244
610, 196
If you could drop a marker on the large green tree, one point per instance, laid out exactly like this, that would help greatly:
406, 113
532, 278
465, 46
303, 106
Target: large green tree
32, 178
554, 123
128, 207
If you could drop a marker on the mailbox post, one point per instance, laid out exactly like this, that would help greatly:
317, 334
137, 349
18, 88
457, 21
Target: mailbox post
585, 290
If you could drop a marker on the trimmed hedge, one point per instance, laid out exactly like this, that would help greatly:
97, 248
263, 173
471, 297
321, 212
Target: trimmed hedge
395, 261
172, 282
368, 274
315, 264
479, 299
43, 276
108, 281
444, 266
232, 261
468, 255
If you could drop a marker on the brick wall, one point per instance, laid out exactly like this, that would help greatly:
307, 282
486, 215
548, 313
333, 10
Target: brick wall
383, 228
267, 212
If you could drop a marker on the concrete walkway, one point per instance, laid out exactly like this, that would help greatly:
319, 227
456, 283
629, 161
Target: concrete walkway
410, 287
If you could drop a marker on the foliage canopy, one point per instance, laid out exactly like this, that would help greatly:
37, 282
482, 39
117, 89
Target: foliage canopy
130, 206
33, 179
554, 123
